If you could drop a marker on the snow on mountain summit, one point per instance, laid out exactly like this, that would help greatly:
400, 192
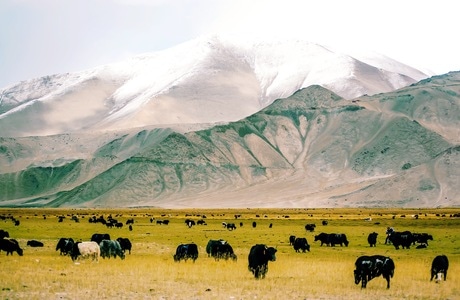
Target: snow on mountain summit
206, 80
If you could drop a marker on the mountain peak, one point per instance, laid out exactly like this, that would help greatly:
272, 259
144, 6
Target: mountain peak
207, 80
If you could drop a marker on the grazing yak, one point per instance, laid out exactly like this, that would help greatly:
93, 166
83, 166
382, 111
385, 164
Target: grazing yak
119, 225
231, 226
301, 244
372, 239
332, 239
86, 250
98, 237
4, 234
338, 238
190, 223
185, 252
212, 246
125, 244
220, 249
111, 248
225, 251
403, 239
310, 227
34, 243
369, 267
323, 238
258, 259
439, 268
65, 245
421, 238
10, 246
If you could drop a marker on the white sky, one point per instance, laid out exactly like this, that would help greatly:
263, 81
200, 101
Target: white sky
44, 37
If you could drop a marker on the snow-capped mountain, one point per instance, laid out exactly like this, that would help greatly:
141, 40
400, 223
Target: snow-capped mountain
204, 81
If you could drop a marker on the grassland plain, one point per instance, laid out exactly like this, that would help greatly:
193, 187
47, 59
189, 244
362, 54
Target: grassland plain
149, 272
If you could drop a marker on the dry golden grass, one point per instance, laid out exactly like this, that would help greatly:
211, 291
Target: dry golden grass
150, 272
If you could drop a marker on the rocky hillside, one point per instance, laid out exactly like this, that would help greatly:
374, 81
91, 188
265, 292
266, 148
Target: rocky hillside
312, 149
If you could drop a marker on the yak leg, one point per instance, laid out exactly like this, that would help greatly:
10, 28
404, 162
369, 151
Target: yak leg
364, 282
387, 277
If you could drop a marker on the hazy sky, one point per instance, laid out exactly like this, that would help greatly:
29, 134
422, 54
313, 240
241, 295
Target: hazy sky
44, 37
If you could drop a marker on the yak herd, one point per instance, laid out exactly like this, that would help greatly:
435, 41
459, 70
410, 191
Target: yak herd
366, 267
100, 246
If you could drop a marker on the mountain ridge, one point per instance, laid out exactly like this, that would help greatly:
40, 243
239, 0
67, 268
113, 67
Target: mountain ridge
312, 149
204, 81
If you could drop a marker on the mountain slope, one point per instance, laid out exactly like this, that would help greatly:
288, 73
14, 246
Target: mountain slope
433, 102
208, 80
312, 149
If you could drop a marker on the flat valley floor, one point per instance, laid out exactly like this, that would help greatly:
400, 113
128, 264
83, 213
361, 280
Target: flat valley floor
150, 272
